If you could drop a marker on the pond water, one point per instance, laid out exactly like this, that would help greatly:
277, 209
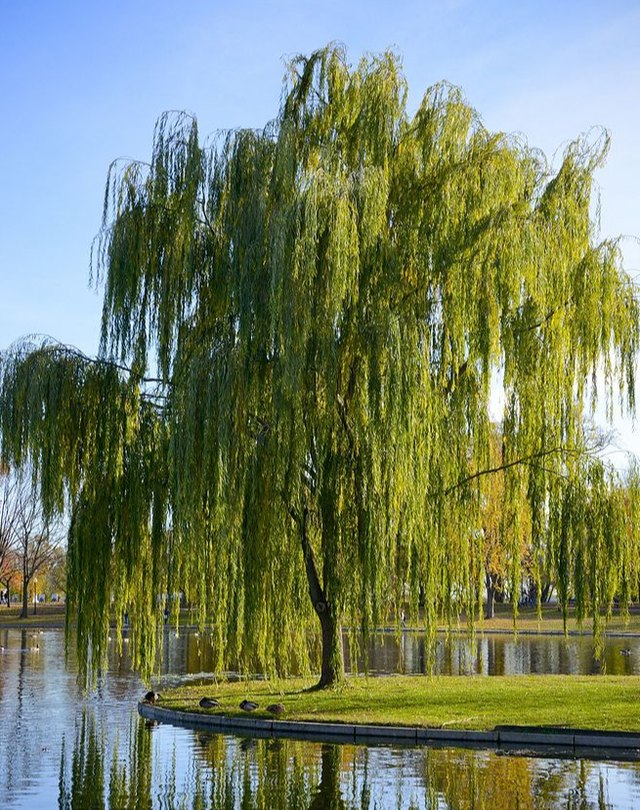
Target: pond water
502, 654
492, 654
60, 749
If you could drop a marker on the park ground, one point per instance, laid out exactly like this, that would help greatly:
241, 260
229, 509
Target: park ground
605, 703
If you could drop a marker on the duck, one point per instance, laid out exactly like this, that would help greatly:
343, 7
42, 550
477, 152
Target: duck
151, 697
248, 706
209, 703
625, 651
276, 708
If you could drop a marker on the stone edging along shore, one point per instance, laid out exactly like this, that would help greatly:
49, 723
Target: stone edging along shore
531, 738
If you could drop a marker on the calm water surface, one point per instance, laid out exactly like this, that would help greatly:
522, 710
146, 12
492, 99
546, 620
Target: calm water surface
59, 749
501, 654
492, 654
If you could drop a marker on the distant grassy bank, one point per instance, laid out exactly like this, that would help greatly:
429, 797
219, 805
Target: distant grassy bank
53, 614
606, 703
551, 621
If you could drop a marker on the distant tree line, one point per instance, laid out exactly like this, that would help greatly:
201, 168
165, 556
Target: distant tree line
30, 545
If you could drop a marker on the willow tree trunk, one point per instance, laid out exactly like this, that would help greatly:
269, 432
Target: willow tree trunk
25, 598
332, 666
332, 671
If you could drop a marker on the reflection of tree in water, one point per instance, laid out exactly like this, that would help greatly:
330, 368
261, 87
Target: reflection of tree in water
327, 794
227, 773
264, 774
579, 798
130, 785
81, 786
82, 780
251, 774
471, 780
21, 677
468, 780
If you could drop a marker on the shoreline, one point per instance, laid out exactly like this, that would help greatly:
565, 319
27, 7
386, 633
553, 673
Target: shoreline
561, 741
600, 703
30, 624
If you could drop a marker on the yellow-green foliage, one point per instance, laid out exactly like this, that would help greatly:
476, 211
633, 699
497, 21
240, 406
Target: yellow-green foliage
325, 303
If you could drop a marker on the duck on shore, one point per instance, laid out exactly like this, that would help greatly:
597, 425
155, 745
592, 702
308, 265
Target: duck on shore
248, 706
276, 708
209, 703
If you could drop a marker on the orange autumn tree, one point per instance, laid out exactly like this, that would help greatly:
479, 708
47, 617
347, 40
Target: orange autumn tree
506, 527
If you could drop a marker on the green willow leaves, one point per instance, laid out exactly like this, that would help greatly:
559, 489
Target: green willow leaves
325, 304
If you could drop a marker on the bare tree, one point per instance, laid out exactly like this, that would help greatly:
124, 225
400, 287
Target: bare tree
37, 539
27, 541
9, 565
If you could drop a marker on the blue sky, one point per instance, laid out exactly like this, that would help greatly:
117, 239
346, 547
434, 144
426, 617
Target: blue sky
82, 83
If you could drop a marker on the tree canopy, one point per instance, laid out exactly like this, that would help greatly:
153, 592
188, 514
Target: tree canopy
300, 330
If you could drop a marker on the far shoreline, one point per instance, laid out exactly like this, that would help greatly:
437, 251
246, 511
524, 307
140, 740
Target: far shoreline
52, 616
34, 623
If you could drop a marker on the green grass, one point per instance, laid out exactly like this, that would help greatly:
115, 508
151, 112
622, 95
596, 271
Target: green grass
551, 621
48, 615
588, 702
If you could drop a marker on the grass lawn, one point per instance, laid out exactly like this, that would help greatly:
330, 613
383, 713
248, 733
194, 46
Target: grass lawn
590, 702
528, 621
50, 614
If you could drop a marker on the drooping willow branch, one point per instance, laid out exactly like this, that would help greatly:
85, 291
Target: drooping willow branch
65, 349
326, 301
515, 463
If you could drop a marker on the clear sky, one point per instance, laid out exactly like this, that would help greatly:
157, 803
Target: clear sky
82, 83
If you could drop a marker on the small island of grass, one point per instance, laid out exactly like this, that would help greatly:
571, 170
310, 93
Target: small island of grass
605, 703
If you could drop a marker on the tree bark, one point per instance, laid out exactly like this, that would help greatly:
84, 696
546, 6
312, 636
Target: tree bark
25, 598
332, 671
491, 593
332, 666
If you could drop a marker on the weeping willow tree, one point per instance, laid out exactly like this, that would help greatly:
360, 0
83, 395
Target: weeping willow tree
289, 414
